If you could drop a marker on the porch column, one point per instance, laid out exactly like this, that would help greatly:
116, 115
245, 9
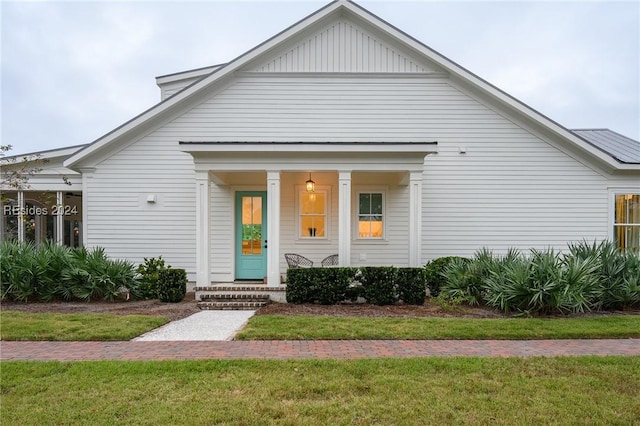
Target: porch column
344, 218
415, 218
60, 218
21, 216
273, 228
202, 229
87, 176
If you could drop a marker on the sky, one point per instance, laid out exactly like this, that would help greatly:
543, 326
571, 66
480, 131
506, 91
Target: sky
73, 71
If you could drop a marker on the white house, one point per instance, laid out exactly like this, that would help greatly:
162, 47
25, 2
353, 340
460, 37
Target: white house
412, 157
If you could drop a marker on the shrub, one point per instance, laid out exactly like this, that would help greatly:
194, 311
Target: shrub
379, 285
434, 273
300, 286
172, 285
18, 261
51, 271
148, 273
618, 273
333, 284
327, 286
411, 286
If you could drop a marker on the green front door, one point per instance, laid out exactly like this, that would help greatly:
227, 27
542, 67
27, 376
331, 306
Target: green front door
251, 235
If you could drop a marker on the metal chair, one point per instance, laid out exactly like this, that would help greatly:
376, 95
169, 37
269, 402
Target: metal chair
331, 260
297, 261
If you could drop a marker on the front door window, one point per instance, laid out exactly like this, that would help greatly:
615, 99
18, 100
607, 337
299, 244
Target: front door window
251, 225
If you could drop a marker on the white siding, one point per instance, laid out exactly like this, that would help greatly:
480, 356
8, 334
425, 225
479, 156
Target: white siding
510, 188
338, 109
345, 47
121, 220
508, 191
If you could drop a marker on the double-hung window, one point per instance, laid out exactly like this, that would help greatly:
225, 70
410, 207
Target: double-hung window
626, 224
313, 214
371, 215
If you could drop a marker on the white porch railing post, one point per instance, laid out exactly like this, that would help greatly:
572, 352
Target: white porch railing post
202, 229
273, 228
344, 218
415, 219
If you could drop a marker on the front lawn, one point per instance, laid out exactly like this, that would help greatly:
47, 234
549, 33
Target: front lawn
30, 326
294, 327
540, 391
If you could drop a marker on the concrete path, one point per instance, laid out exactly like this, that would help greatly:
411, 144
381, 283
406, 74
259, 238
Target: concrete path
310, 349
205, 325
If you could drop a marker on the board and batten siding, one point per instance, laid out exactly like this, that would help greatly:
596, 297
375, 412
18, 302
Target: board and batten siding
343, 46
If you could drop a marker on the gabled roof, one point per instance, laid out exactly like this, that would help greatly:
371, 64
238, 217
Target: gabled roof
334, 10
622, 148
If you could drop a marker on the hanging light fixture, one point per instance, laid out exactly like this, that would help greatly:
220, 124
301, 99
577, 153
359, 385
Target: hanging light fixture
311, 185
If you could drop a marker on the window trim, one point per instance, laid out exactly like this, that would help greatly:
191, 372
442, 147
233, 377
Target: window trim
373, 189
300, 190
613, 192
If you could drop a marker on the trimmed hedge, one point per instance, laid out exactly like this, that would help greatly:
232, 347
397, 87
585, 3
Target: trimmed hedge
411, 285
172, 285
326, 286
378, 285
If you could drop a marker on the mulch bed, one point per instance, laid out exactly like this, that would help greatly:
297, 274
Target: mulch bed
175, 311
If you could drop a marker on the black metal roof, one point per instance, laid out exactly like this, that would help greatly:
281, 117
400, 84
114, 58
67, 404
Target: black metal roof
622, 148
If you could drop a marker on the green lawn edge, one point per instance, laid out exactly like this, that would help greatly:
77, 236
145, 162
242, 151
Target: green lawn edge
290, 327
417, 391
75, 327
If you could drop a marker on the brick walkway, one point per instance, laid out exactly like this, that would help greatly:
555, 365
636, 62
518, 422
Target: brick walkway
318, 349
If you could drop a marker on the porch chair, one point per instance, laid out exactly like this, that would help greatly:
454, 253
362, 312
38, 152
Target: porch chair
297, 261
331, 260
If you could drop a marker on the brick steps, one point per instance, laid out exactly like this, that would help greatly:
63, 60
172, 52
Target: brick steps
229, 296
231, 306
238, 296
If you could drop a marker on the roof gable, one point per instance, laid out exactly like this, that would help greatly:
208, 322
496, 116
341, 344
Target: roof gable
336, 14
345, 46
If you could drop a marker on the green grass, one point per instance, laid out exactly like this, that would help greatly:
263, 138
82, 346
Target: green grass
540, 391
281, 327
29, 326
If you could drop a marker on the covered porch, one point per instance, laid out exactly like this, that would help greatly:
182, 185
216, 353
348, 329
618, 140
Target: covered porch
253, 205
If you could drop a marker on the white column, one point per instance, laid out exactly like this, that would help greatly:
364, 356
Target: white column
202, 229
60, 218
21, 216
344, 218
87, 176
273, 228
415, 219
